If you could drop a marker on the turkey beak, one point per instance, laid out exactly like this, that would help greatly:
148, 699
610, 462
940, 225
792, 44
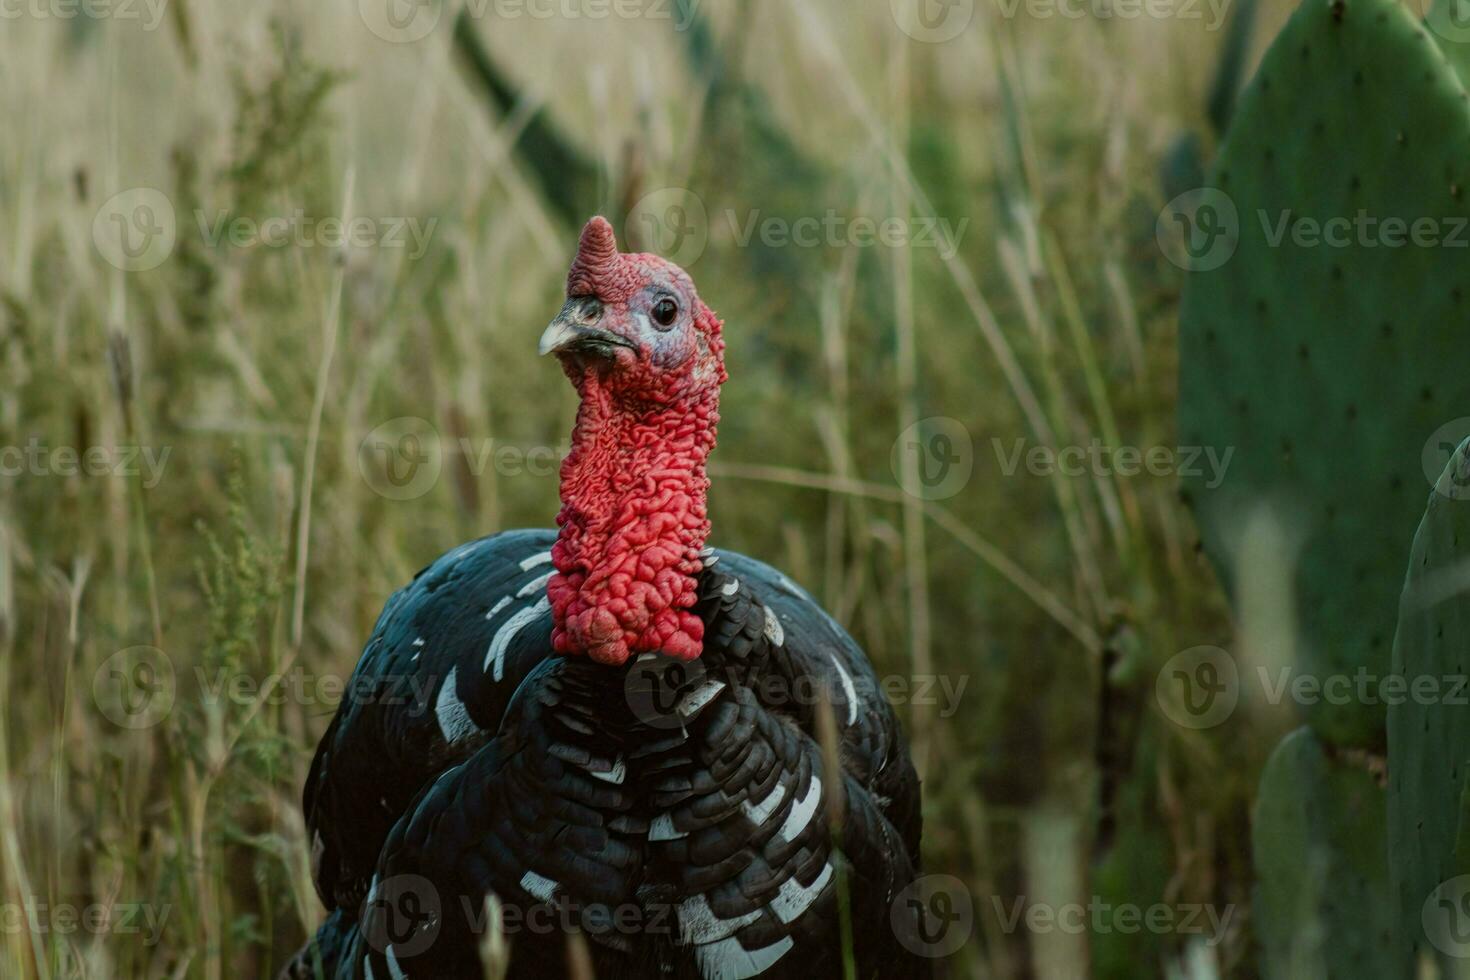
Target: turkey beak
574, 331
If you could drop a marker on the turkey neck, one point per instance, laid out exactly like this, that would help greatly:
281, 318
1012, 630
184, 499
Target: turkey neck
632, 524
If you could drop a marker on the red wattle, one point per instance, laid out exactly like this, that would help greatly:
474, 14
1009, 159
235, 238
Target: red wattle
633, 522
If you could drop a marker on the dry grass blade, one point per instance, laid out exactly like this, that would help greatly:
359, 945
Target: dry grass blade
579, 957
494, 951
984, 550
331, 326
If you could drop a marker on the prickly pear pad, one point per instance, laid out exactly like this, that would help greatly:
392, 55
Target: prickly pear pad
1429, 727
1331, 344
1322, 868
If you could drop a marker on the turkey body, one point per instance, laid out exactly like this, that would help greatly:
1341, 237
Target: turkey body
682, 817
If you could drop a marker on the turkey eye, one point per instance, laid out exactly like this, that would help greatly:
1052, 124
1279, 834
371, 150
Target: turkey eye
664, 312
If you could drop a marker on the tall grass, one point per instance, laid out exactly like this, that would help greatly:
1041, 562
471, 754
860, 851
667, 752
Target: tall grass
265, 548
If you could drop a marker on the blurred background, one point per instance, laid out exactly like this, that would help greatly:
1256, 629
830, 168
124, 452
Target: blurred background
271, 281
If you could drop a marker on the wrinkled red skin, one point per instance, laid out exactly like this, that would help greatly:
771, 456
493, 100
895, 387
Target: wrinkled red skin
633, 489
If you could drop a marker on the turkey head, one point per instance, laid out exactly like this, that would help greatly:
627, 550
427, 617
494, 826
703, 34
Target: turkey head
647, 360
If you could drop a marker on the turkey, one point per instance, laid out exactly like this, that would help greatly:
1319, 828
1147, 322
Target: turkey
612, 728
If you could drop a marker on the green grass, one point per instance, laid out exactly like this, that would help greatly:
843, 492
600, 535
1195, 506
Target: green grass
263, 549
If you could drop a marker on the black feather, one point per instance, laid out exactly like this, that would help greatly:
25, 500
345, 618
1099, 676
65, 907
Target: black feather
673, 838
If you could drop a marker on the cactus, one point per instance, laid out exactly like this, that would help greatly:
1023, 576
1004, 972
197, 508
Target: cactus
1325, 367
1320, 907
1429, 731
